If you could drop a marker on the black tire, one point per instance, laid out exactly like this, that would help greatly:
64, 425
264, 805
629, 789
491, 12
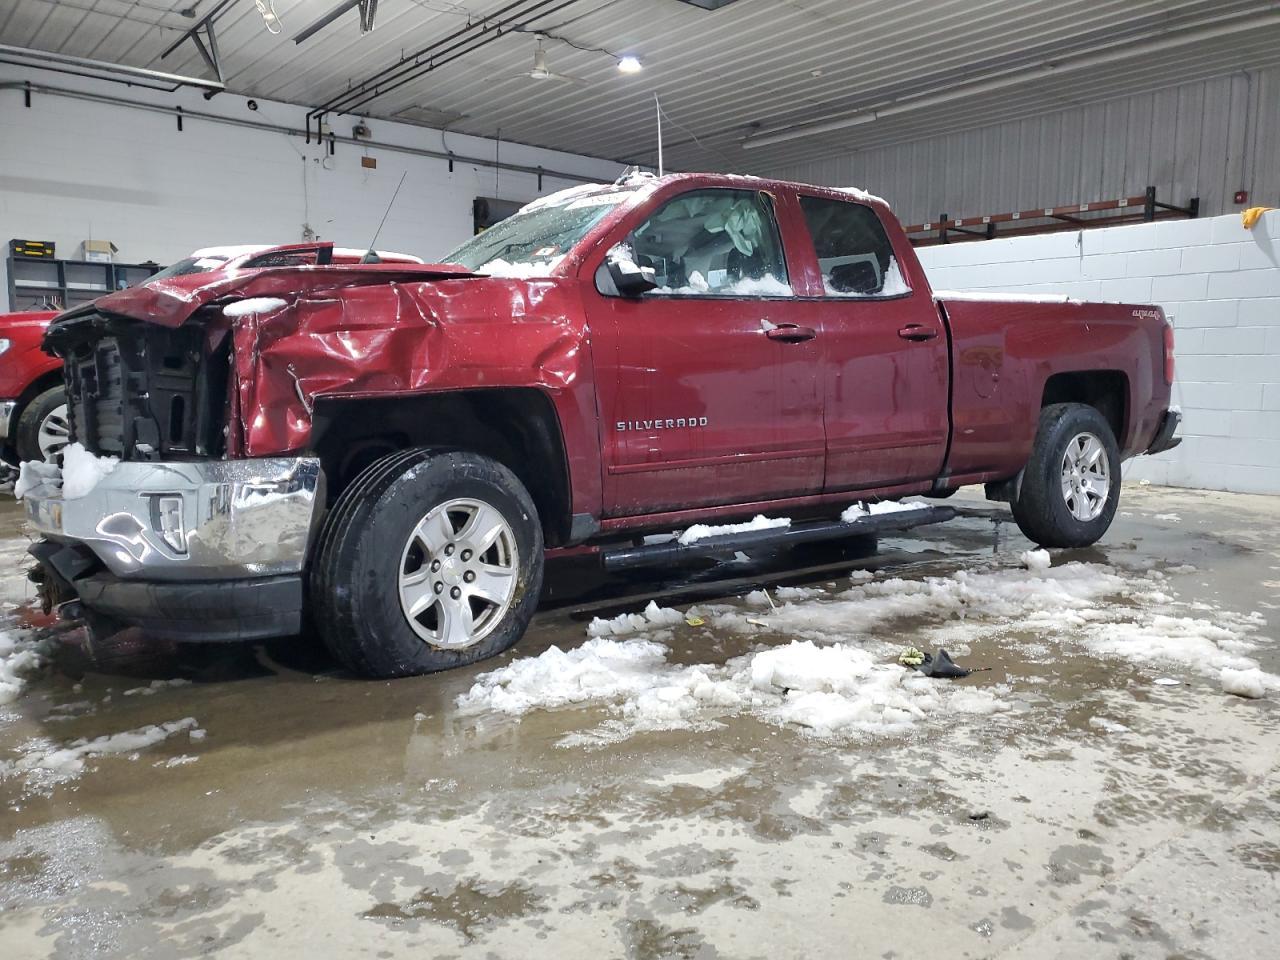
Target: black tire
354, 586
26, 438
1041, 508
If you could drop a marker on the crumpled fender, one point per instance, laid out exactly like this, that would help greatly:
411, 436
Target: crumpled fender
169, 302
398, 338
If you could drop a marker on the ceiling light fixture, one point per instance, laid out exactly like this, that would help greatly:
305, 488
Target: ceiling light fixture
629, 64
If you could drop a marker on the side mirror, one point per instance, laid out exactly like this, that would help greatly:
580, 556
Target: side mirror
629, 278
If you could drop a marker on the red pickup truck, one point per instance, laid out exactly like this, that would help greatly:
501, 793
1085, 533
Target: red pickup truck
388, 452
33, 413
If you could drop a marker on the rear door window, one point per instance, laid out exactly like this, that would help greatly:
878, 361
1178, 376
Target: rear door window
714, 243
853, 249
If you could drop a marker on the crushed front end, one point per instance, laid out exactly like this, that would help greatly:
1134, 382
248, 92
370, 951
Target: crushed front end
175, 539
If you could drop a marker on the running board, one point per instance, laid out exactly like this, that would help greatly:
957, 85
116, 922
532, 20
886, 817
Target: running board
655, 554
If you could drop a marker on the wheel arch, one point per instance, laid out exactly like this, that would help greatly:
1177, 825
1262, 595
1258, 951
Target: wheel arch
1107, 391
518, 427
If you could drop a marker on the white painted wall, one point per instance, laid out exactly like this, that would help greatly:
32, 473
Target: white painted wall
1220, 284
71, 169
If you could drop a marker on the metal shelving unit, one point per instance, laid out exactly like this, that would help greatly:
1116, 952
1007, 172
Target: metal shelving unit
43, 283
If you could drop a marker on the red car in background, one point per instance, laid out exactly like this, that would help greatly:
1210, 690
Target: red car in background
33, 408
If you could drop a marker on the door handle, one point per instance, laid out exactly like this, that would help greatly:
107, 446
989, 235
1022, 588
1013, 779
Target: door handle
790, 333
917, 332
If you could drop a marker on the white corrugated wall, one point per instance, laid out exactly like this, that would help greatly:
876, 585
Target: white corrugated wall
1207, 139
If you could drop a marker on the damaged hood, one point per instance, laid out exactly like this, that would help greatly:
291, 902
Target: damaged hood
171, 301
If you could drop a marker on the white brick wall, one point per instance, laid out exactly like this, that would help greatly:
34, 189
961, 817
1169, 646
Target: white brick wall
71, 169
1221, 285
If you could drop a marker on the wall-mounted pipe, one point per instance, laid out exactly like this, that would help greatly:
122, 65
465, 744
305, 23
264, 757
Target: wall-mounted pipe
26, 87
100, 70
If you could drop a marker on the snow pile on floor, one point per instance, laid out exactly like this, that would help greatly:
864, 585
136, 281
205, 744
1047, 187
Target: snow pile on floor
700, 531
832, 668
45, 764
856, 511
80, 472
21, 658
830, 691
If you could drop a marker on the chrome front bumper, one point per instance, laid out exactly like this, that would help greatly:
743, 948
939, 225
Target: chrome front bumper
6, 416
208, 520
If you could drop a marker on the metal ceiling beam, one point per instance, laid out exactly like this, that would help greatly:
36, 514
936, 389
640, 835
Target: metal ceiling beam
206, 41
477, 33
368, 10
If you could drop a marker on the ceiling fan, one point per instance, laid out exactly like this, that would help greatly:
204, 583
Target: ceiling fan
540, 70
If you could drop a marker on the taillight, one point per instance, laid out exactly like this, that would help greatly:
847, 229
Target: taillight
1168, 353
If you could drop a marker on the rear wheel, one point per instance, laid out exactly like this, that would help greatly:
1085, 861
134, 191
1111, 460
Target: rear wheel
43, 428
1071, 485
429, 560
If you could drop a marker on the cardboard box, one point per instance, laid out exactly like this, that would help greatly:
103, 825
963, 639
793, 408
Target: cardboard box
98, 251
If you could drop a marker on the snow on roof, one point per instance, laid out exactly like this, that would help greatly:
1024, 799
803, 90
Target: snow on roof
860, 194
232, 252
993, 296
382, 254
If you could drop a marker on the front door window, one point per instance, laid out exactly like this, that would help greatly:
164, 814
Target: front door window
714, 243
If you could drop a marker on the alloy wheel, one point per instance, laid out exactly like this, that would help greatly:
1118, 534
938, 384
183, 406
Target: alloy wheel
458, 573
1086, 477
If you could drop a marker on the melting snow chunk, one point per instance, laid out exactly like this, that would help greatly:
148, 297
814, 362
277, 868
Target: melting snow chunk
1037, 561
1251, 683
80, 472
856, 511
627, 623
20, 658
243, 308
701, 531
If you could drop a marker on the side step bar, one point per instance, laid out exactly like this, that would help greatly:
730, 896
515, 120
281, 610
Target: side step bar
655, 554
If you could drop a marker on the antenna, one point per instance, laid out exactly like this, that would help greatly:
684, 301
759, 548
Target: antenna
372, 257
658, 106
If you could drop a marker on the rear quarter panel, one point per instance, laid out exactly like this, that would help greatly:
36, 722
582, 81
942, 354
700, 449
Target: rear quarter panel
1005, 352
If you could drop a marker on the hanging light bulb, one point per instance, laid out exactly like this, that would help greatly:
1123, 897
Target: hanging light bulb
268, 10
630, 64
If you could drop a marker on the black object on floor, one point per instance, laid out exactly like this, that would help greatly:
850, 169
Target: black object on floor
942, 666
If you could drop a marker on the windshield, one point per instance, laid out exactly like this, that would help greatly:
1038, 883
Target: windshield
533, 241
188, 265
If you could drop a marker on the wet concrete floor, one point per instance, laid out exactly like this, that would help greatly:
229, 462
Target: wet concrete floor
312, 814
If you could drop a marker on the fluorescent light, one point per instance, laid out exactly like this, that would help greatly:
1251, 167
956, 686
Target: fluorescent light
630, 64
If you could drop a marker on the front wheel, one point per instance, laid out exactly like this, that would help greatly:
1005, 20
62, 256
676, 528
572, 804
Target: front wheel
429, 560
1071, 485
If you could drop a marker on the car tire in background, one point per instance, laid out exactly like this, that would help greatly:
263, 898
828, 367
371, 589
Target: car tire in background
1071, 485
43, 427
430, 559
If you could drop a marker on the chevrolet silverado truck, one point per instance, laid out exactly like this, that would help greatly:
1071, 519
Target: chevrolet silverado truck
385, 454
33, 407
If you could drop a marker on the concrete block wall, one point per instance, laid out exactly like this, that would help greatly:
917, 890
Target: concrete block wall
1220, 284
73, 168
